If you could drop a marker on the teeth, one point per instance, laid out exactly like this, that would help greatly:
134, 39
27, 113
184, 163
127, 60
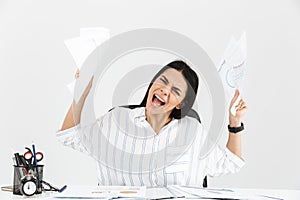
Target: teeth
159, 98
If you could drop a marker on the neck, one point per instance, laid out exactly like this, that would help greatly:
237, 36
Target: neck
157, 121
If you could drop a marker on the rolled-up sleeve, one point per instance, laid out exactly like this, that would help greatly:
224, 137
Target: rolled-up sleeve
223, 161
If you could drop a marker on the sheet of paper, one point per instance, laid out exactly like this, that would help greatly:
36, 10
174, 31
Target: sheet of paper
103, 192
71, 86
96, 34
217, 193
194, 192
126, 191
83, 193
232, 66
160, 193
81, 48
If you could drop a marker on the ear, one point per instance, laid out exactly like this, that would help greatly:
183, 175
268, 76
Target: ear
179, 106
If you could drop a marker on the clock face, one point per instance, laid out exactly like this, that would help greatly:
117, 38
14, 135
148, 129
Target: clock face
29, 188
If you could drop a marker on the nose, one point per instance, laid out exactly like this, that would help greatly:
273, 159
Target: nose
165, 90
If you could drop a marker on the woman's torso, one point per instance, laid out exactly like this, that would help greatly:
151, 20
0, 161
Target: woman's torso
130, 153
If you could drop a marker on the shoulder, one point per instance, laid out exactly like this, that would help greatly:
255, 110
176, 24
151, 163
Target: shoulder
191, 120
190, 123
129, 110
125, 113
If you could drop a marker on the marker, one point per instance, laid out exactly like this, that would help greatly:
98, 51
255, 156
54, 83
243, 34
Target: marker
62, 189
17, 160
36, 168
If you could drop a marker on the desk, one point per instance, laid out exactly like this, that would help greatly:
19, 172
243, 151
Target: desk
283, 194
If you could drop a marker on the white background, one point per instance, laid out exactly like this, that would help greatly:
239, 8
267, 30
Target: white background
36, 66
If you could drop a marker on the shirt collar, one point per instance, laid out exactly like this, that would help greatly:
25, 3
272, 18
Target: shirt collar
138, 114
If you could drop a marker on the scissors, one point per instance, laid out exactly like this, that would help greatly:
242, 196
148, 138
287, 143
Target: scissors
28, 155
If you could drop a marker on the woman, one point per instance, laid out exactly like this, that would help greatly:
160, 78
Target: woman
158, 144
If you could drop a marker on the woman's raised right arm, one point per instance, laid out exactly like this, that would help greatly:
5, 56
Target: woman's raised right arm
73, 115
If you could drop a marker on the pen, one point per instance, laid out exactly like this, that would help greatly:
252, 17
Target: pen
36, 168
62, 189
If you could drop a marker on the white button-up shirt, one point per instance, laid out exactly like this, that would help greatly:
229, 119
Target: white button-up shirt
129, 152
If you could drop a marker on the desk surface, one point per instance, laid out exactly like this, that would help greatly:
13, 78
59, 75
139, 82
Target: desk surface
281, 194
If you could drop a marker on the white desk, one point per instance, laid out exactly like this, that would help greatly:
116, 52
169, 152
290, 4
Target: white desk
283, 194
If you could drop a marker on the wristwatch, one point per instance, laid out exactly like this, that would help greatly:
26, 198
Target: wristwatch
236, 129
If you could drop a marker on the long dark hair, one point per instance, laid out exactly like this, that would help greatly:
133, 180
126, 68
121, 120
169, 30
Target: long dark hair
192, 83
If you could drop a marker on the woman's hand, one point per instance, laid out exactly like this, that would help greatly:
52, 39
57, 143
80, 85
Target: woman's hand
77, 74
241, 108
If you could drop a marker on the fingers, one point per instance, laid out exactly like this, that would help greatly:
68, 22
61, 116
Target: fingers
241, 105
236, 95
77, 74
241, 102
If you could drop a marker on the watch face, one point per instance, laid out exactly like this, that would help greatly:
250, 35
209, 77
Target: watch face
29, 188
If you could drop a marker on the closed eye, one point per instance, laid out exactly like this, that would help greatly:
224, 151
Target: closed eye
177, 91
164, 80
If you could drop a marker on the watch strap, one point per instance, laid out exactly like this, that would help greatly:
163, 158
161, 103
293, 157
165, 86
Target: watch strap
236, 129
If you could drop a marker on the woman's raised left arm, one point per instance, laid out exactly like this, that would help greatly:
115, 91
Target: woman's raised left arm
235, 121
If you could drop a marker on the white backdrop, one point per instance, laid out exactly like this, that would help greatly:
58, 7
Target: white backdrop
36, 66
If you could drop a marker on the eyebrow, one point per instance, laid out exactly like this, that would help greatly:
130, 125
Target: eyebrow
167, 81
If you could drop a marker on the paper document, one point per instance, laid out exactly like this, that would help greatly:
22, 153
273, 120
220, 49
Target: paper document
103, 192
169, 192
232, 66
190, 192
81, 48
71, 86
162, 193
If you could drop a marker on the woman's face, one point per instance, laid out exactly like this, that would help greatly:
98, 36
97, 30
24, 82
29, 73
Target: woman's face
166, 92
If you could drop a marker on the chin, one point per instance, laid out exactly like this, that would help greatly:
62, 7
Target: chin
157, 110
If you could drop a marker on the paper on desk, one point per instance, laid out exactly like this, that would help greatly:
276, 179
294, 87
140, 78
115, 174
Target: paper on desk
161, 193
199, 193
82, 193
217, 193
103, 192
81, 48
231, 68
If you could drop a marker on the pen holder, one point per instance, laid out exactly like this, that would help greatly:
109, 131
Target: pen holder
27, 182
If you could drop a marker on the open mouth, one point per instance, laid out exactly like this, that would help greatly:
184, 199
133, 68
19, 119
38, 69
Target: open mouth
157, 101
